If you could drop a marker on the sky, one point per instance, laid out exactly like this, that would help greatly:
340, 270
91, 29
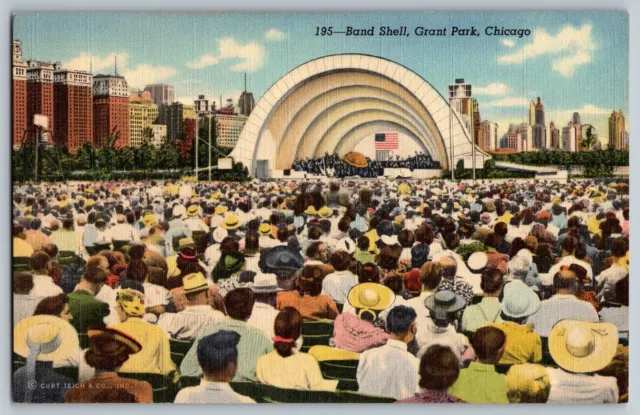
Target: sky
574, 61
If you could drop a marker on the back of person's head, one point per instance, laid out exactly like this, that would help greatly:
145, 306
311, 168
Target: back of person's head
425, 234
369, 272
492, 240
400, 319
528, 383
488, 343
95, 275
501, 229
22, 283
217, 351
50, 249
340, 260
39, 261
287, 328
344, 223
431, 274
491, 281
314, 249
363, 243
518, 267
449, 267
239, 303
51, 306
406, 238
565, 280
310, 281
619, 248
137, 270
389, 256
452, 241
570, 244
439, 368
251, 242
229, 245
314, 233
283, 234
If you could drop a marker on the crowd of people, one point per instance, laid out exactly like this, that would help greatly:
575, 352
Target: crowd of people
442, 292
333, 166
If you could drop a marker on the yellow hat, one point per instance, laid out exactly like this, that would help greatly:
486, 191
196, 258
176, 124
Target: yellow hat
311, 210
325, 212
131, 301
56, 338
149, 220
583, 346
221, 209
89, 202
98, 336
193, 210
194, 283
264, 229
370, 297
231, 221
555, 200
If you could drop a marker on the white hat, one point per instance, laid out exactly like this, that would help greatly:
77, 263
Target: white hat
519, 300
389, 240
477, 261
219, 234
178, 211
347, 245
265, 283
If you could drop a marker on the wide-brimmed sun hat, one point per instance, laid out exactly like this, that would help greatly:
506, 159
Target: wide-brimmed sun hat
583, 346
444, 302
193, 210
370, 297
325, 212
54, 337
265, 284
221, 210
231, 221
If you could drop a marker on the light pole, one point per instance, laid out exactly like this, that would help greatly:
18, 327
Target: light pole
197, 139
209, 148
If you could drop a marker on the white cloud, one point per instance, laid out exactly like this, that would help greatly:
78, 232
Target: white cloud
508, 43
145, 74
137, 77
250, 56
586, 112
275, 34
495, 88
205, 60
508, 102
87, 62
573, 44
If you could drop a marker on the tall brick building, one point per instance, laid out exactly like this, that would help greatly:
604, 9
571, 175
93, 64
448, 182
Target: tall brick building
110, 109
73, 108
19, 94
40, 91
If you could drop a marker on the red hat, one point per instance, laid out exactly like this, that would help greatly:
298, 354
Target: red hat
412, 281
544, 215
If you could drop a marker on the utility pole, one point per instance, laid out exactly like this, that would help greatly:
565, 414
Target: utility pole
209, 165
37, 148
197, 140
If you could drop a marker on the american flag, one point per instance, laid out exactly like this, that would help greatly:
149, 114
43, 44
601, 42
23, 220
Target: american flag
387, 141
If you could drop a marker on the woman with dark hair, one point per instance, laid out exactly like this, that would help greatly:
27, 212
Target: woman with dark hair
108, 350
439, 369
307, 297
157, 297
57, 305
543, 258
23, 303
582, 293
284, 367
516, 245
251, 252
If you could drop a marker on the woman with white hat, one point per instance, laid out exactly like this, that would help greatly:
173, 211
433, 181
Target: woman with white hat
42, 340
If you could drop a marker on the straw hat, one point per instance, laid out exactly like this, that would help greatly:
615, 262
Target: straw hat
583, 346
325, 212
98, 336
56, 338
371, 297
219, 234
221, 210
311, 210
231, 221
194, 283
264, 229
265, 283
193, 210
186, 242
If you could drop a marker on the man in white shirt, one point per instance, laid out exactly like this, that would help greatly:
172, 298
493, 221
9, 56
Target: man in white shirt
186, 324
390, 370
218, 358
563, 305
580, 349
338, 284
264, 313
193, 220
43, 285
122, 231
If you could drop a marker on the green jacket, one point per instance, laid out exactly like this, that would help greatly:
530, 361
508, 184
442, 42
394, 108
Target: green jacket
480, 383
86, 310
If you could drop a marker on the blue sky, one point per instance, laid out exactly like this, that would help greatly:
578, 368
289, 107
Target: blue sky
572, 60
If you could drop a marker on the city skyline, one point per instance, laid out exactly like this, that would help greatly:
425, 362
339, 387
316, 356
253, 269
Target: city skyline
562, 61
